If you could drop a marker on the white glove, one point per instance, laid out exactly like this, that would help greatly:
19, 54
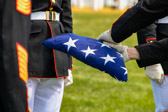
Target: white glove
155, 73
121, 49
106, 36
68, 80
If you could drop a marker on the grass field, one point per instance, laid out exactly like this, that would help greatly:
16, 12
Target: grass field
95, 91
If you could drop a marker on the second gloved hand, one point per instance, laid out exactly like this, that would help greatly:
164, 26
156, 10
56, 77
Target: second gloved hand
155, 73
121, 49
68, 80
106, 36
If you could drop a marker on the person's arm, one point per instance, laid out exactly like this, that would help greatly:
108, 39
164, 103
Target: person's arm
148, 54
66, 16
144, 13
153, 53
133, 53
147, 34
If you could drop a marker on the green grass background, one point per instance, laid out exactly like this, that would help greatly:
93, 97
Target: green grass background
95, 91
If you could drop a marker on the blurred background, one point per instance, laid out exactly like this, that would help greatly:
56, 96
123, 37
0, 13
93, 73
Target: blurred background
93, 90
100, 4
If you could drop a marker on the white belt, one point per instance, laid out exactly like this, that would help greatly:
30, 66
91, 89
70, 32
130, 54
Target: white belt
45, 15
163, 20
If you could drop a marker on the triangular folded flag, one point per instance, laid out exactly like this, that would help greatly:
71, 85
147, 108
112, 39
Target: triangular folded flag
91, 52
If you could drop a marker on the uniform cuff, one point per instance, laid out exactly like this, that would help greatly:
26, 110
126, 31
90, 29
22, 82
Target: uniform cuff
145, 53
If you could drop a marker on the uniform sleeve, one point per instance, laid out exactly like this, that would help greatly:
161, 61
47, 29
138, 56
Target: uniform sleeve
146, 35
66, 19
144, 13
66, 16
149, 52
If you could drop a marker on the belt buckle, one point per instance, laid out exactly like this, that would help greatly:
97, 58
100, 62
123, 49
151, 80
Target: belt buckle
51, 15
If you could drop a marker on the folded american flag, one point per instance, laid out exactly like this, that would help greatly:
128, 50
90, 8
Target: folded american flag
91, 52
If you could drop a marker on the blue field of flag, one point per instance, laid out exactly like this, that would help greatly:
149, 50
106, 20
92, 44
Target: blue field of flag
91, 52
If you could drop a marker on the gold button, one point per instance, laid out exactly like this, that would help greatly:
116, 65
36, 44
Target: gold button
51, 8
53, 1
29, 110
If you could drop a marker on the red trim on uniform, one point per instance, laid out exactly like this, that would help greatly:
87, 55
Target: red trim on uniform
55, 62
51, 4
53, 49
154, 38
62, 76
166, 111
27, 99
166, 74
121, 16
54, 53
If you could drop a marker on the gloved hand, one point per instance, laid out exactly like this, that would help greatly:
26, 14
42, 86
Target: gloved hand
121, 49
68, 80
155, 73
106, 36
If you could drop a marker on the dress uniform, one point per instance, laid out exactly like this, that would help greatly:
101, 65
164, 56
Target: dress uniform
14, 32
144, 13
48, 67
160, 91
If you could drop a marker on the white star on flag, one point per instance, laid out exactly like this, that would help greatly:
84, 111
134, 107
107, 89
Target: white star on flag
125, 70
104, 45
108, 58
88, 51
71, 43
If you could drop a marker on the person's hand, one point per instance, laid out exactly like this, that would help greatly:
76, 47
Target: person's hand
121, 49
68, 80
106, 36
155, 73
